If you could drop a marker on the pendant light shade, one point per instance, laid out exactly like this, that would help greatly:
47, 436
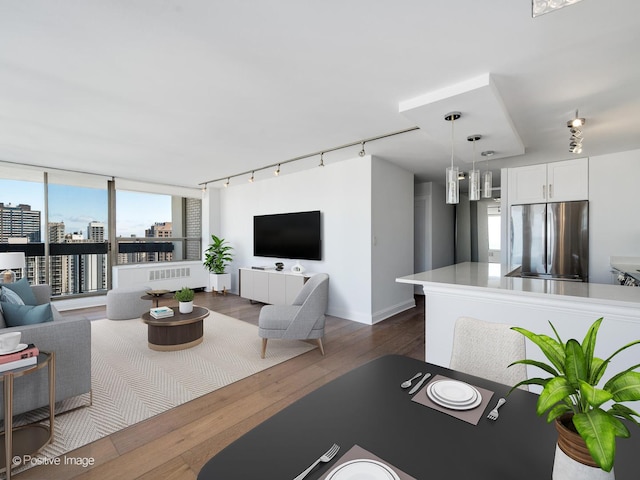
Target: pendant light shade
452, 181
487, 177
453, 192
474, 174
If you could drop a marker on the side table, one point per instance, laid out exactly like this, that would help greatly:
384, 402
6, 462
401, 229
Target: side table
27, 439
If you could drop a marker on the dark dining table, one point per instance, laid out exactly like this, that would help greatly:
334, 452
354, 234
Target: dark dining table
366, 407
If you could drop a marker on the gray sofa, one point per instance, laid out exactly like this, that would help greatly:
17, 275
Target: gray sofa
70, 339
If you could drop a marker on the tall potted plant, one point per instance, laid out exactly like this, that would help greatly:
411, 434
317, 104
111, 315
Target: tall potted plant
216, 258
573, 400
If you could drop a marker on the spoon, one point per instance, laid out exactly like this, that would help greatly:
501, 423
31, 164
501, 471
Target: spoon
407, 383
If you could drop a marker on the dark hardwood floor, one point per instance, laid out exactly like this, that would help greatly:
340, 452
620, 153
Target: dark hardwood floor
175, 444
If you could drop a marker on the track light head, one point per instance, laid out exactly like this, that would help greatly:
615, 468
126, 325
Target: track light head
362, 152
277, 172
321, 160
251, 177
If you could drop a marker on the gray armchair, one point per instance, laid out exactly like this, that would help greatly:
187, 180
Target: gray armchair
302, 320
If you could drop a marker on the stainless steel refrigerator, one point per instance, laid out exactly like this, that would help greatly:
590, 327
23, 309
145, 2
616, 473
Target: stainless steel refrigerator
551, 240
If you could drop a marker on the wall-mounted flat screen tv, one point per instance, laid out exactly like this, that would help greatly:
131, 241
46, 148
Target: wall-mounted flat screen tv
288, 235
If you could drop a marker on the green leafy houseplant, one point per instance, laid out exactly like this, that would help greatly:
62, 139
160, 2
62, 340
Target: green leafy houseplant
573, 389
218, 255
185, 294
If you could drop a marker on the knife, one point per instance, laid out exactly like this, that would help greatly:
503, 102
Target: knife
419, 384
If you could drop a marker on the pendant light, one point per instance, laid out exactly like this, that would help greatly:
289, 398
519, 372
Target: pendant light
452, 182
474, 175
487, 177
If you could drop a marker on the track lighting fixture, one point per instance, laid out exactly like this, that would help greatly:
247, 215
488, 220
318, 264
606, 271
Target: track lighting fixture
277, 166
474, 175
452, 178
575, 127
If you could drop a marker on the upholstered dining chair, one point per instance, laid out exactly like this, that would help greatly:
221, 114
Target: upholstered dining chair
302, 320
485, 349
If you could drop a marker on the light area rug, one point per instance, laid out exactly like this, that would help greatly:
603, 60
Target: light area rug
132, 382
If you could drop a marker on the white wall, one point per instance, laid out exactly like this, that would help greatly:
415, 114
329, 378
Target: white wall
614, 222
343, 193
392, 238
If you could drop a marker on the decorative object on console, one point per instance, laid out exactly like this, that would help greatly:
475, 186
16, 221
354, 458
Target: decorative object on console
574, 400
297, 268
216, 258
452, 181
10, 261
185, 299
279, 266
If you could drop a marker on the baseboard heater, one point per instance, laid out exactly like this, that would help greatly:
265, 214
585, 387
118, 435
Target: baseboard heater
172, 276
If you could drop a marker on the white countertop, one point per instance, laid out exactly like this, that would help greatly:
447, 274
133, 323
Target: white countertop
471, 275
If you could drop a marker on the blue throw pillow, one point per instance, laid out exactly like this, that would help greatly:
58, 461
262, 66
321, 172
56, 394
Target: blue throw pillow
20, 315
9, 296
23, 289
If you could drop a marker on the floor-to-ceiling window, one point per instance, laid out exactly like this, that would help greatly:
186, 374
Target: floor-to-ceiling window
62, 222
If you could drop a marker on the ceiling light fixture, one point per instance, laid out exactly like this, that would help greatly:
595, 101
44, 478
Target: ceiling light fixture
540, 7
474, 175
226, 184
321, 152
575, 127
452, 178
277, 172
251, 178
487, 177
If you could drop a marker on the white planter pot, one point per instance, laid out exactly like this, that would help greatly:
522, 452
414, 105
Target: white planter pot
566, 468
185, 307
220, 282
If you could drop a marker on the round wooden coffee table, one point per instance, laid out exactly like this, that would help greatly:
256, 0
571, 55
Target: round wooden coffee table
183, 330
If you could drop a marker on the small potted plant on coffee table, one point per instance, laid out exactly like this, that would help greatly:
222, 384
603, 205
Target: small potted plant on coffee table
185, 299
587, 429
216, 259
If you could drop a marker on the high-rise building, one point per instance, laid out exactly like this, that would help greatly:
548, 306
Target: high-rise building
19, 221
95, 231
160, 230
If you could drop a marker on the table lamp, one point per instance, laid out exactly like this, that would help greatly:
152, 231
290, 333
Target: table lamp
8, 262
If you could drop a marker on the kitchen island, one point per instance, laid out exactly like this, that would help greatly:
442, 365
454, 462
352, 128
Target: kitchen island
483, 291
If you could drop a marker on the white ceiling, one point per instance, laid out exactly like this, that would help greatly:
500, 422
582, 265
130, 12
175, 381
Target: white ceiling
186, 91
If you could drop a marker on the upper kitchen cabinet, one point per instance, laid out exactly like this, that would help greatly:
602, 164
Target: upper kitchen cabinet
551, 182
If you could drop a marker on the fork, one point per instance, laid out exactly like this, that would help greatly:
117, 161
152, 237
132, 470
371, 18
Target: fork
324, 459
493, 414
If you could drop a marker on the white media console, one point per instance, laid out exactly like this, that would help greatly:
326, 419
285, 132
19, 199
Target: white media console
270, 286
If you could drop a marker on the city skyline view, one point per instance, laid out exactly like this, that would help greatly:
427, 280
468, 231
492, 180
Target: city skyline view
78, 206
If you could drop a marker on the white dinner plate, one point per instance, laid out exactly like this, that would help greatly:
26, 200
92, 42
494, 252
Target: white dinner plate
455, 392
19, 348
454, 406
362, 469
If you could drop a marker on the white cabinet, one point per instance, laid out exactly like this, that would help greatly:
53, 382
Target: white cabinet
268, 286
551, 182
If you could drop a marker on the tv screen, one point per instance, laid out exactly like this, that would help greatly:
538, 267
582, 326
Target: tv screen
288, 235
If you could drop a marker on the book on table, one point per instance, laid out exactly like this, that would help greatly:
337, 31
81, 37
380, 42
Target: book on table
23, 362
161, 312
30, 351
